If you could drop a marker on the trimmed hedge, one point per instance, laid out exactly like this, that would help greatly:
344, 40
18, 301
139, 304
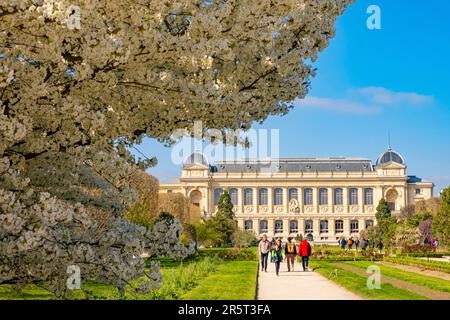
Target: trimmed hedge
418, 248
423, 255
230, 254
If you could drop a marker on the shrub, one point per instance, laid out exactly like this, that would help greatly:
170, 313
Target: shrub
417, 248
230, 254
243, 238
425, 255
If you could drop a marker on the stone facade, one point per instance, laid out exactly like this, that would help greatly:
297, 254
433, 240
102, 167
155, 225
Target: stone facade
320, 198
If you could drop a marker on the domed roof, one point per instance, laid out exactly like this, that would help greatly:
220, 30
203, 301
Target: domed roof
390, 156
196, 158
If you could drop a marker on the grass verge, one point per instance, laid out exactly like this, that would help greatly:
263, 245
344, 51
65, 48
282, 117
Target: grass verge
412, 277
358, 284
426, 264
233, 280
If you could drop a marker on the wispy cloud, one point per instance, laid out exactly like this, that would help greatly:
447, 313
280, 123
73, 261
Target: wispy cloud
336, 105
367, 100
388, 97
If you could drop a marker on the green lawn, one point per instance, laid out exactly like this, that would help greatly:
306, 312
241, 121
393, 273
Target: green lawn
412, 277
209, 275
171, 271
423, 263
233, 280
358, 284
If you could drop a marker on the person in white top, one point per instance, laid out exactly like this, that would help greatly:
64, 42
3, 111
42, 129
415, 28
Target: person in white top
264, 250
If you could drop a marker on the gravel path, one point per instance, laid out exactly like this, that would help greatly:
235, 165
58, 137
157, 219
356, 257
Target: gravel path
299, 285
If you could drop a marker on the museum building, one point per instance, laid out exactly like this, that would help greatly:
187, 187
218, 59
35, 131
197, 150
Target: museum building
322, 199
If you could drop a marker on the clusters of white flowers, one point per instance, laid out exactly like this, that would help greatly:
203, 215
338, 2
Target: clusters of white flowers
72, 99
42, 237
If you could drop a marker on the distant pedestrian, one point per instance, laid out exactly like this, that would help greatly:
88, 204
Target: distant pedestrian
436, 243
264, 251
357, 244
343, 243
380, 246
350, 244
277, 255
364, 244
291, 251
272, 248
304, 251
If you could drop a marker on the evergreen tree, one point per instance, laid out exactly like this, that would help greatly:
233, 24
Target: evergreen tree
223, 222
387, 224
441, 222
383, 210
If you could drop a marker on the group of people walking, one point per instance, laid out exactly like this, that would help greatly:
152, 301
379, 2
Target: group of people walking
280, 252
364, 244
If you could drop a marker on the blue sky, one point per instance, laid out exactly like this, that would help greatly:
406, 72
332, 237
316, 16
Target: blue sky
370, 82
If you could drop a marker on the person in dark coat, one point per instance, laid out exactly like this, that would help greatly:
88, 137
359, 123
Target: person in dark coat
364, 244
343, 243
380, 245
277, 255
304, 251
357, 243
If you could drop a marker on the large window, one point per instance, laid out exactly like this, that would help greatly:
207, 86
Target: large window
323, 197
293, 226
263, 196
248, 225
308, 197
339, 226
369, 223
323, 226
263, 226
278, 196
217, 194
278, 226
338, 197
234, 196
368, 196
293, 194
308, 226
354, 226
353, 196
248, 197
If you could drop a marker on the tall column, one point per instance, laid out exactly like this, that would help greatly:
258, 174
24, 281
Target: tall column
316, 229
330, 198
286, 200
377, 195
285, 227
300, 199
301, 227
255, 199
361, 199
361, 224
256, 226
241, 200
316, 199
208, 202
270, 199
331, 229
345, 198
346, 227
240, 224
271, 227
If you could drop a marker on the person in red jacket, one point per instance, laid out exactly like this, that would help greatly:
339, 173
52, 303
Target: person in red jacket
304, 251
